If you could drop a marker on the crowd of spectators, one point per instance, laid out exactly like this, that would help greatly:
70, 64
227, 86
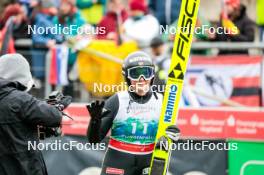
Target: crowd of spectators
122, 20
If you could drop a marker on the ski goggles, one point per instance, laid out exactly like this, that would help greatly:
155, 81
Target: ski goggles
135, 73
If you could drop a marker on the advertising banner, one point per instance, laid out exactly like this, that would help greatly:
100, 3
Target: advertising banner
87, 159
194, 123
248, 159
232, 77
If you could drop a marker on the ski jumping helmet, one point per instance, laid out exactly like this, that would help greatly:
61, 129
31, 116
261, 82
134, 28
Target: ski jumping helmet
136, 65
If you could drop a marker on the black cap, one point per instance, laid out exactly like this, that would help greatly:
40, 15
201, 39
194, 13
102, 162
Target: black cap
156, 42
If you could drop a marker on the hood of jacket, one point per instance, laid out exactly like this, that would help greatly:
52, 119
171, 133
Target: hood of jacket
7, 86
15, 68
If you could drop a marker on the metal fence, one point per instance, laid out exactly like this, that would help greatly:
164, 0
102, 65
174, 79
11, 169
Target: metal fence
24, 47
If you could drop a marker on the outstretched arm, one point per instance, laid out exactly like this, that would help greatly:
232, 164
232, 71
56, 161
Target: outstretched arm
102, 116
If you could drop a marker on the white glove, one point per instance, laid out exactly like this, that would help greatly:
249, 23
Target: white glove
173, 132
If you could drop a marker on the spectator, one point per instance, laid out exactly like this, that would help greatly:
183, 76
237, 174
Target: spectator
13, 24
69, 17
4, 4
140, 26
42, 41
166, 11
201, 33
110, 22
236, 13
260, 18
159, 53
92, 10
28, 6
161, 61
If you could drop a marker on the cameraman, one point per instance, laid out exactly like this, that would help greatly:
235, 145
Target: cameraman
20, 115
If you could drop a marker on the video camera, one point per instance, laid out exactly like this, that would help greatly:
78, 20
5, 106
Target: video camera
61, 102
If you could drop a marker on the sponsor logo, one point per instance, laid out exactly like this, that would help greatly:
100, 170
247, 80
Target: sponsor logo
110, 170
137, 59
187, 21
170, 104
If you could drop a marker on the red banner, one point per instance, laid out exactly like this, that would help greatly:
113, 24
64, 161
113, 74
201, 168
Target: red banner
229, 77
222, 124
79, 125
213, 123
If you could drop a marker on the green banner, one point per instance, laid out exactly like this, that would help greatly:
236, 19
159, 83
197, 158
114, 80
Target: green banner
248, 159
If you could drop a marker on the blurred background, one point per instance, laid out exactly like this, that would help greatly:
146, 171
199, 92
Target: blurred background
77, 45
